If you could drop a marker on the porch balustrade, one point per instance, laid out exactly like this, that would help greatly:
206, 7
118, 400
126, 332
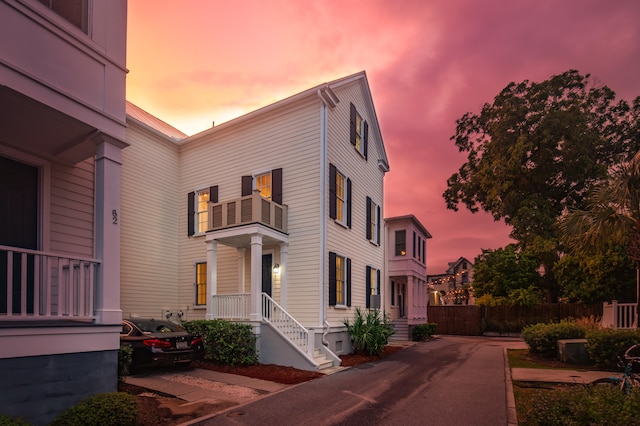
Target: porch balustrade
232, 307
245, 210
38, 285
619, 315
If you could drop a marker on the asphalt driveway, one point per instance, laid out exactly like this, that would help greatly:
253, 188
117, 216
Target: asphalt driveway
448, 380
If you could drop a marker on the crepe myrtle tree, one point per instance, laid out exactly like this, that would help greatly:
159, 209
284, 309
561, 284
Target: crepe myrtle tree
536, 151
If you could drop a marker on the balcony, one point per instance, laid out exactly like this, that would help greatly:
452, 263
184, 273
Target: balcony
248, 210
46, 286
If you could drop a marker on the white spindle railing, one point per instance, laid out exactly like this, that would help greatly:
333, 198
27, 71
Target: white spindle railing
232, 306
37, 285
287, 325
619, 315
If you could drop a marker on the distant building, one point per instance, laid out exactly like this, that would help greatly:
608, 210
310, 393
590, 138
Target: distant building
452, 286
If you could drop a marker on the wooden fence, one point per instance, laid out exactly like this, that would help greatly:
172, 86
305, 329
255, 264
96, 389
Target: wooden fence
472, 320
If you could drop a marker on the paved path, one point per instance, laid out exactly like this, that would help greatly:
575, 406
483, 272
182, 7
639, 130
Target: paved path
448, 380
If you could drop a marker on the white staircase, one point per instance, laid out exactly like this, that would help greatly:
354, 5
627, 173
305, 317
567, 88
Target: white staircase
294, 332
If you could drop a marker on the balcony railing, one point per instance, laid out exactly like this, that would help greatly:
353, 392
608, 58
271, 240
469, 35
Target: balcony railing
245, 210
37, 285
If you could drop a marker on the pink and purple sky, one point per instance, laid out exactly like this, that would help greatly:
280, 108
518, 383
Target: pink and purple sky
428, 62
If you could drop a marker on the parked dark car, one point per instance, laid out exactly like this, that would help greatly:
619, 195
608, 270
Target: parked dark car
158, 342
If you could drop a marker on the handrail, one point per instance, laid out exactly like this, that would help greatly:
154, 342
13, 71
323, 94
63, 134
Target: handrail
282, 321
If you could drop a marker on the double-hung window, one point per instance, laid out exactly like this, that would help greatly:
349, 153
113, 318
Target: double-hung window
263, 184
373, 288
373, 221
339, 196
401, 243
339, 280
200, 284
359, 132
198, 209
268, 183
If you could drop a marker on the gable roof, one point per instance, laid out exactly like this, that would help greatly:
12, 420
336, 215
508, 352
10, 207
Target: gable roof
326, 93
143, 117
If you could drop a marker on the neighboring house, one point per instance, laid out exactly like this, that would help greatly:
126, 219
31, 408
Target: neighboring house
407, 296
272, 219
62, 115
453, 286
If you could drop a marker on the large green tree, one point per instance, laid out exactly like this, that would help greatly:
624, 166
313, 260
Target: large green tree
498, 272
536, 151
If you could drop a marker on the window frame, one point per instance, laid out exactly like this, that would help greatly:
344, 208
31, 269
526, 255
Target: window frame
373, 214
200, 288
202, 216
257, 177
344, 218
342, 299
400, 246
359, 132
372, 280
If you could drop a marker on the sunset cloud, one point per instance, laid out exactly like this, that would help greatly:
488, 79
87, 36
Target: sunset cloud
428, 63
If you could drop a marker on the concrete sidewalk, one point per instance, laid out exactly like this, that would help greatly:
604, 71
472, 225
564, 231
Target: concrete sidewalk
199, 384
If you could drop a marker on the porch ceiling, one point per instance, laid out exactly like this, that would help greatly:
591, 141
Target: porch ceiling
29, 125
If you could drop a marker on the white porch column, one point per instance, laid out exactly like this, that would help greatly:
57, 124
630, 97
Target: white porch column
284, 256
212, 276
412, 298
241, 275
107, 245
256, 277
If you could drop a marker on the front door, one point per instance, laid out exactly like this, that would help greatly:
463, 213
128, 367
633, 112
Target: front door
18, 227
267, 262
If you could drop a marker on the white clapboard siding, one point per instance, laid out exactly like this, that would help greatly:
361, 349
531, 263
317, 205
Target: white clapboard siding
72, 208
149, 224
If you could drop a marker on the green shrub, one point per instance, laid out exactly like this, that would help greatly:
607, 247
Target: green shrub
225, 342
582, 405
12, 421
543, 338
124, 361
604, 346
422, 332
113, 408
369, 333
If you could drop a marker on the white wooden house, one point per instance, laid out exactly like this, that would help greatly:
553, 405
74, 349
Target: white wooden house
406, 295
62, 122
273, 219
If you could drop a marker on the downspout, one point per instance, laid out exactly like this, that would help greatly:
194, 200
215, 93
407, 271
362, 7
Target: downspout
323, 211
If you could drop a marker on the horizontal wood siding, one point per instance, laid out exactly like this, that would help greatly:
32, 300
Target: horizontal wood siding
367, 181
72, 208
287, 138
149, 224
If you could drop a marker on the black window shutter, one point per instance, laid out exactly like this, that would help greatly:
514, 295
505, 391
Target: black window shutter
367, 293
332, 279
191, 213
348, 282
332, 191
378, 282
349, 202
247, 185
369, 221
378, 224
352, 128
276, 185
366, 140
213, 194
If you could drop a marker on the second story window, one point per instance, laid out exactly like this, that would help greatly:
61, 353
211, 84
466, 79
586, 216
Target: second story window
198, 209
202, 210
401, 243
373, 221
339, 196
74, 11
263, 184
